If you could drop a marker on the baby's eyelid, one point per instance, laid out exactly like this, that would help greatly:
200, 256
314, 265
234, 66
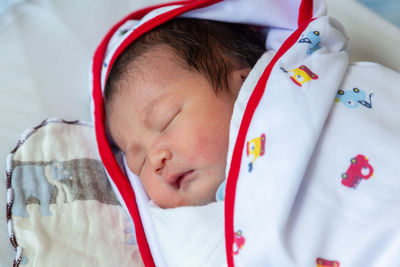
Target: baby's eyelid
170, 121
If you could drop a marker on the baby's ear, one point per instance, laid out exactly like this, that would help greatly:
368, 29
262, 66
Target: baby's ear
244, 73
236, 79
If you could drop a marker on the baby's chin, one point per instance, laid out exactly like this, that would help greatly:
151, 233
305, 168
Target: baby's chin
187, 202
198, 190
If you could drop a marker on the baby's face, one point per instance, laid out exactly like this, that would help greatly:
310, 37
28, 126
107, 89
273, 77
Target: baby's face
173, 130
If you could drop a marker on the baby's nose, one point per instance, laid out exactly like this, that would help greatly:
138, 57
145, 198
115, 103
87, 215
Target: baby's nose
159, 158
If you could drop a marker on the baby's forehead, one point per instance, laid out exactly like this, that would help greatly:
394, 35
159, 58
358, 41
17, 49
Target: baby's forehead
154, 77
144, 92
158, 55
156, 68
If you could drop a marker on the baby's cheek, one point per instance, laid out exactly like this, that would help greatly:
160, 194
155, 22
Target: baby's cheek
210, 143
154, 188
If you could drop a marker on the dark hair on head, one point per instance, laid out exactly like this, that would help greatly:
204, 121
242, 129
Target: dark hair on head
212, 48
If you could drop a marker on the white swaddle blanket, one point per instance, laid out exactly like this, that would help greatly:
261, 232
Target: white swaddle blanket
191, 236
308, 131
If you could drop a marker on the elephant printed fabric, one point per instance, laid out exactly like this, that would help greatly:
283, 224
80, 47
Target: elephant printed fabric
46, 183
59, 197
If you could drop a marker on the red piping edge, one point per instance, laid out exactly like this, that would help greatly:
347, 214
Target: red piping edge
305, 11
247, 117
108, 159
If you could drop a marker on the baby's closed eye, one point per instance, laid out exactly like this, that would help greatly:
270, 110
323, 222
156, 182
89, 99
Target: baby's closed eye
169, 120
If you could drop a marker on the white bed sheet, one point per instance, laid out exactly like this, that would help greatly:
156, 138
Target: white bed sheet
46, 48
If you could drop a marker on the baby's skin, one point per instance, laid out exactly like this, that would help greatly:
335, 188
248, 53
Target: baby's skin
173, 128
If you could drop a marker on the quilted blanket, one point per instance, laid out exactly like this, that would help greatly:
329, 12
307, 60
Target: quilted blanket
61, 209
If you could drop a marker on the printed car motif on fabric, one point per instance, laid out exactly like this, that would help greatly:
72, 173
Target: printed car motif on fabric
301, 75
351, 98
238, 242
255, 149
326, 263
312, 38
359, 169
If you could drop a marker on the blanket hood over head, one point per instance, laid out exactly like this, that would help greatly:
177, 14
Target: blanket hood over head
285, 22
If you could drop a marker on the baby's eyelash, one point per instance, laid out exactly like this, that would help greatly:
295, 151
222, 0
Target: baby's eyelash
170, 121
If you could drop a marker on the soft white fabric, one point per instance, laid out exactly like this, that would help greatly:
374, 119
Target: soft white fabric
143, 201
326, 185
191, 236
280, 16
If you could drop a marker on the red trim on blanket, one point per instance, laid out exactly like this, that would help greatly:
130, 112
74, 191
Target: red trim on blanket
241, 139
305, 11
117, 175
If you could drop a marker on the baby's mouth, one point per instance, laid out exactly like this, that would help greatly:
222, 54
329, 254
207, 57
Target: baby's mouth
183, 177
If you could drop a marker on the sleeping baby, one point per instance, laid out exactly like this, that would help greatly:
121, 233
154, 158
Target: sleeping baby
169, 99
304, 143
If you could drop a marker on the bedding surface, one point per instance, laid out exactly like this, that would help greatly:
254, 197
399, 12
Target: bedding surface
61, 209
46, 50
389, 9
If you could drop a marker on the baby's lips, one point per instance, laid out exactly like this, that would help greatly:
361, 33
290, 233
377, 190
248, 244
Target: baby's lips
183, 177
174, 177
177, 177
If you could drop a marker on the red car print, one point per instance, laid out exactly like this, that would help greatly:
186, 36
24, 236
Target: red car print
238, 242
359, 169
325, 263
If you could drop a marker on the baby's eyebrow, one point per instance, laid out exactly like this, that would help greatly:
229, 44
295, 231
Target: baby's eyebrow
148, 111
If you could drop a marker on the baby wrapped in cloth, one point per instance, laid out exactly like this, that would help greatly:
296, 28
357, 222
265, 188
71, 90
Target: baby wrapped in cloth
308, 177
